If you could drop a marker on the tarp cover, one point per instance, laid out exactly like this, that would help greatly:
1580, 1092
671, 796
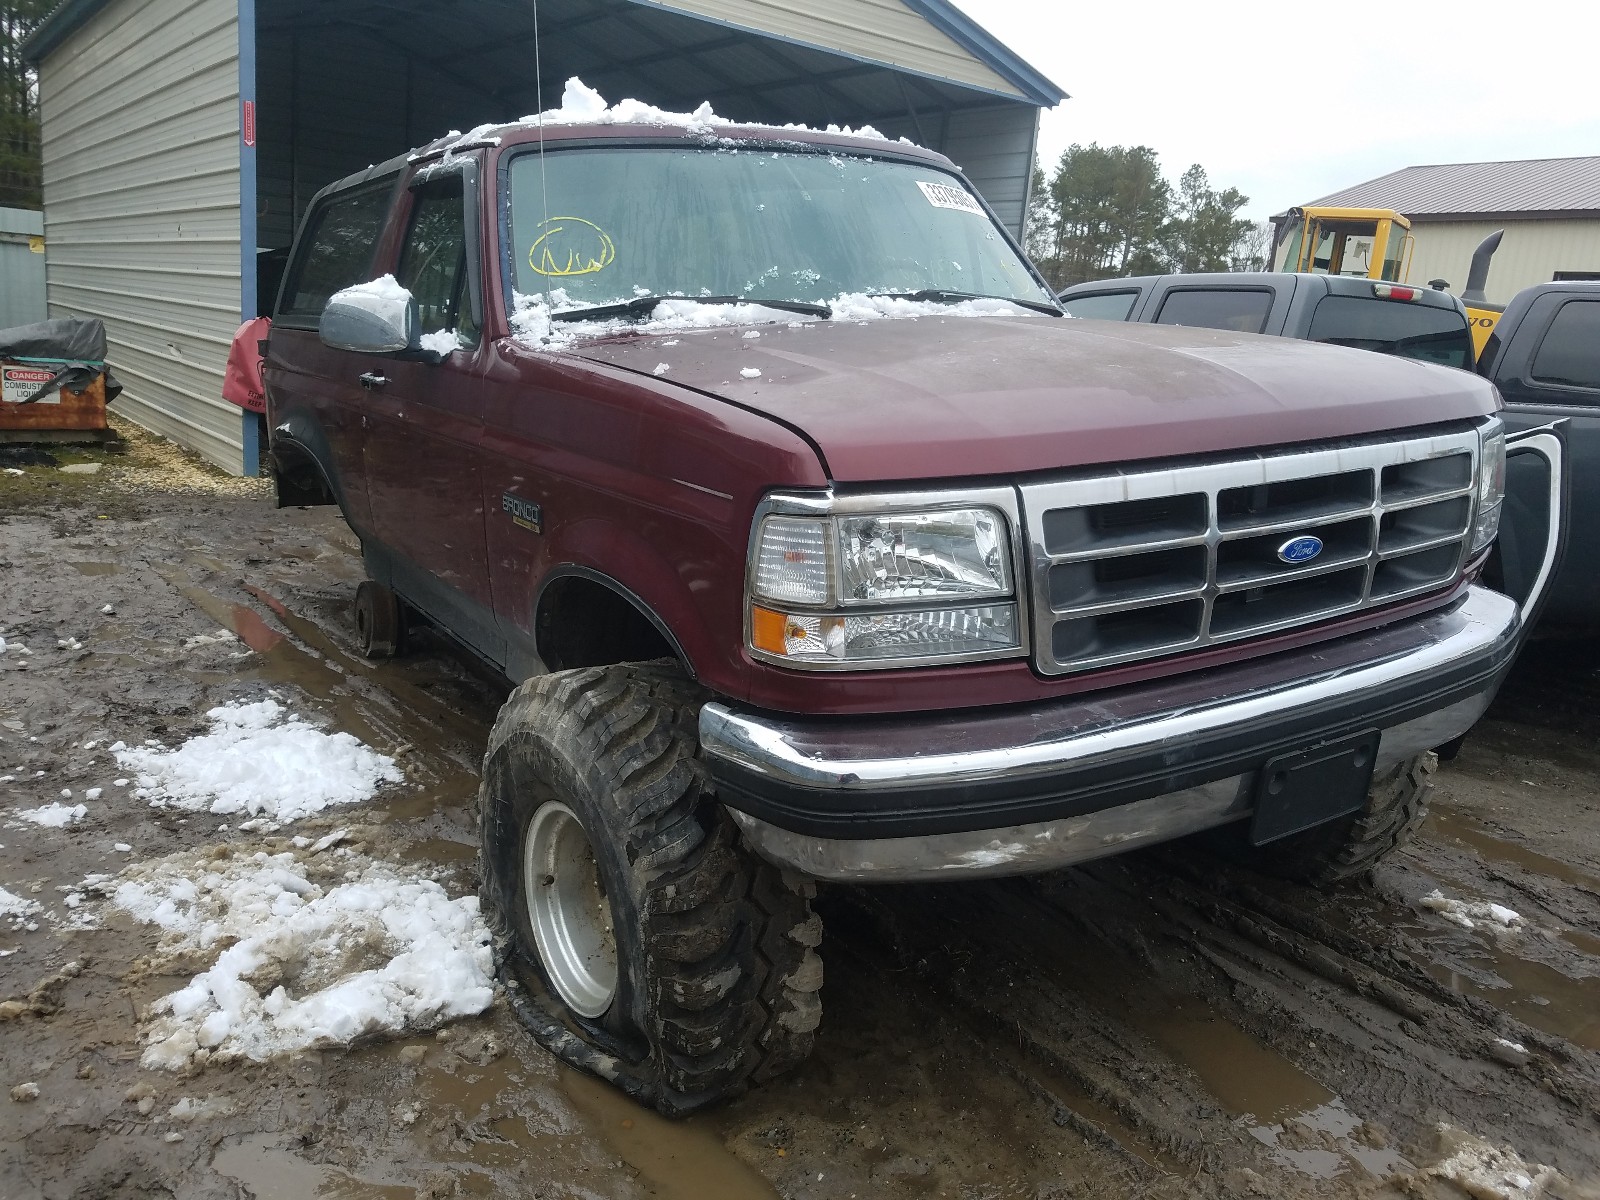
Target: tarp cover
73, 349
65, 339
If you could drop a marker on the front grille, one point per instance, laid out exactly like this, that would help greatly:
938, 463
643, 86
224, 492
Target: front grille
1142, 563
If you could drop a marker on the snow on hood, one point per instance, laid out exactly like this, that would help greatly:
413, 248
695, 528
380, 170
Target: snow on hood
533, 324
582, 105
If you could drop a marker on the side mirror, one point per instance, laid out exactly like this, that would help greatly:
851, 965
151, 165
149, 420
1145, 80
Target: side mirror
370, 318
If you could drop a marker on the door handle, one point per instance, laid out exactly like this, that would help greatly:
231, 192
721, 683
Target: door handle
373, 380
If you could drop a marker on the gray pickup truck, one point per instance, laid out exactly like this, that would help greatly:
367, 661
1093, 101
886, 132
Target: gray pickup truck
1544, 357
1392, 318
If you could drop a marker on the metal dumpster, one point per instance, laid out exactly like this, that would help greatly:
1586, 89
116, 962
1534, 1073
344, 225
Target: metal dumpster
54, 382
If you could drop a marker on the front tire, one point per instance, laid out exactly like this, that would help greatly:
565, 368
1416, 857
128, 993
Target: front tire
638, 940
1397, 804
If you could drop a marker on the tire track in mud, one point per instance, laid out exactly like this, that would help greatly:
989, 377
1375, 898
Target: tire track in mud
1203, 1024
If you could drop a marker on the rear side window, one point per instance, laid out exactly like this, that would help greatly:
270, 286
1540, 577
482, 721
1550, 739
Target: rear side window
1570, 352
1101, 306
337, 247
1436, 335
1243, 310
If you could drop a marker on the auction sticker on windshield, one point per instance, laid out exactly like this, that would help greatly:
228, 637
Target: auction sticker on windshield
946, 195
18, 383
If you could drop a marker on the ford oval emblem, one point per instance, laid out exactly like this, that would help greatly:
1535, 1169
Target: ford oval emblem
1300, 549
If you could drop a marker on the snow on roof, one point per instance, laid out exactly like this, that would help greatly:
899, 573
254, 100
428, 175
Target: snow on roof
583, 105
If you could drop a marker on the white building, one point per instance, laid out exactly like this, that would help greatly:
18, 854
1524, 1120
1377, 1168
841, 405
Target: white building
1549, 208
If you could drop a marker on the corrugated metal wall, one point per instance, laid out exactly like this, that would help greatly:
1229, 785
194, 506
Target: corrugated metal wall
883, 31
995, 147
1531, 252
21, 267
140, 113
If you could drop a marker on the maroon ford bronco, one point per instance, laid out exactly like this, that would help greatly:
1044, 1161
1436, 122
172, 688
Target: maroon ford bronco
822, 546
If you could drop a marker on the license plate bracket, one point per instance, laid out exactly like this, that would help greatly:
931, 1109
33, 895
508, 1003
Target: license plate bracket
1295, 792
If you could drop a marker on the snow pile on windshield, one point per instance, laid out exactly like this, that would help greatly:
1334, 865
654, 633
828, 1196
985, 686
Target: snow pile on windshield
582, 105
533, 319
860, 307
305, 953
534, 324
262, 760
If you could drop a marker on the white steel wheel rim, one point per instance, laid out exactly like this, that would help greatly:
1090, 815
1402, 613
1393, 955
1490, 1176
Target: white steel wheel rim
568, 910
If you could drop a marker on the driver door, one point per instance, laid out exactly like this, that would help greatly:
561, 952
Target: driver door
424, 445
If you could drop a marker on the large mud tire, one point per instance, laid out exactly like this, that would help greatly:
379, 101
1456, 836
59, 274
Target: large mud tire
717, 978
1349, 849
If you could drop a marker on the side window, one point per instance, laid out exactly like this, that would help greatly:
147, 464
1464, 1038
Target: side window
433, 261
1569, 356
1420, 331
1101, 306
336, 249
1243, 310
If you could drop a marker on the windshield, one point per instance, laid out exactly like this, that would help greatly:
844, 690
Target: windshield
606, 226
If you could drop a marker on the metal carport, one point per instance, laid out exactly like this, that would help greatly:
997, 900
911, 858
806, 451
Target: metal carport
182, 138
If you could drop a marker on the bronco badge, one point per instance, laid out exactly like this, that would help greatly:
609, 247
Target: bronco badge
524, 512
1300, 549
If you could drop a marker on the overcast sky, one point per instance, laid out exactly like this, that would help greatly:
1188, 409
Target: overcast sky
1288, 102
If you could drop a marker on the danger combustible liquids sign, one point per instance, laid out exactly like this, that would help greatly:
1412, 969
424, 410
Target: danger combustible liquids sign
18, 383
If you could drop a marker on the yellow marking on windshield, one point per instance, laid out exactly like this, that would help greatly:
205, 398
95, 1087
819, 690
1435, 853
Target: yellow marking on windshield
571, 246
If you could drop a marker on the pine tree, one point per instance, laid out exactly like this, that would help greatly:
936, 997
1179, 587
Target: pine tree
20, 164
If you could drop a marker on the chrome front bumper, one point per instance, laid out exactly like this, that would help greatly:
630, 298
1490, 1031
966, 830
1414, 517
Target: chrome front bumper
979, 792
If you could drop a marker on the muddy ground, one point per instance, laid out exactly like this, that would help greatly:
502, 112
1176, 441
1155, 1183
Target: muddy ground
1156, 1026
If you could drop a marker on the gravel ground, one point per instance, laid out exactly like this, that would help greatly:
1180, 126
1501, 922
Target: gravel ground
1158, 1025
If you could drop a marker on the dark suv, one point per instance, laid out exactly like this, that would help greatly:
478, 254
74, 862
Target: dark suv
822, 547
1391, 318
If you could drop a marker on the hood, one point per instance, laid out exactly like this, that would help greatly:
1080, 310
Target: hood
937, 397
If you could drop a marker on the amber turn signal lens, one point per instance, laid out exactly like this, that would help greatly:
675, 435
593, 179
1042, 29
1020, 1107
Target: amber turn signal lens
767, 629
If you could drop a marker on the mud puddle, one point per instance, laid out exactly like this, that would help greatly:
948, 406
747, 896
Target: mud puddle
1467, 830
268, 1171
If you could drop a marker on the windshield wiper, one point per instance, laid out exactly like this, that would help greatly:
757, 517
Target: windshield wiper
946, 296
643, 306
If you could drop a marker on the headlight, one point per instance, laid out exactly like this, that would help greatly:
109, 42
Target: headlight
1491, 486
868, 589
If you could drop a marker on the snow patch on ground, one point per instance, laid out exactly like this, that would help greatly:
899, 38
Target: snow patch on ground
54, 816
262, 760
208, 639
1468, 914
16, 909
307, 953
1487, 1172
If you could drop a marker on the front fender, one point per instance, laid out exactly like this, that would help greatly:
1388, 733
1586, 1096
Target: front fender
681, 596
